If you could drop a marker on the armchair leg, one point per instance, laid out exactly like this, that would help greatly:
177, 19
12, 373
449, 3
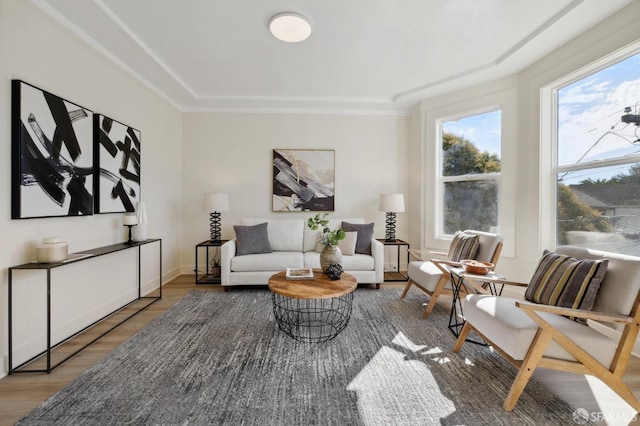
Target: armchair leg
430, 306
406, 288
529, 364
434, 296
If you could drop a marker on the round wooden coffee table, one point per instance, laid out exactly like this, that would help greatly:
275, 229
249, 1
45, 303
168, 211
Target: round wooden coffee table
314, 310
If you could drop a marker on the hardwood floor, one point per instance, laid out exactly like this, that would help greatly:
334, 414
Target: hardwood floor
20, 393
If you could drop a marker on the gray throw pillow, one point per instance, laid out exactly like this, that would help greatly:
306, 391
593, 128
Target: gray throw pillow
252, 239
365, 235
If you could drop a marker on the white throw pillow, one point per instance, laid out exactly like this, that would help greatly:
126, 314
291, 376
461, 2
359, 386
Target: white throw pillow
347, 245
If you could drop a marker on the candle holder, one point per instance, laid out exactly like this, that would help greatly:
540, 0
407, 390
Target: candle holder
129, 241
130, 221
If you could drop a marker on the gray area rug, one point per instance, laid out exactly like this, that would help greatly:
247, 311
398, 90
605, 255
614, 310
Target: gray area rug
219, 358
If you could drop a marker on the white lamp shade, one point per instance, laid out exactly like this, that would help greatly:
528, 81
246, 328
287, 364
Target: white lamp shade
215, 202
391, 203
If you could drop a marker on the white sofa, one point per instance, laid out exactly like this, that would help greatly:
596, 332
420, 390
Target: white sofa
294, 246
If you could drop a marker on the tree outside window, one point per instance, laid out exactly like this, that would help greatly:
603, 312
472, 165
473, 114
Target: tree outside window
470, 172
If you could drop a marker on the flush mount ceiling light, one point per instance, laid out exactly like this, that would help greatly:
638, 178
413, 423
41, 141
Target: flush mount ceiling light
290, 27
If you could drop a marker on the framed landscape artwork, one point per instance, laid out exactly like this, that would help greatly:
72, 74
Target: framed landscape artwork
117, 159
52, 155
303, 180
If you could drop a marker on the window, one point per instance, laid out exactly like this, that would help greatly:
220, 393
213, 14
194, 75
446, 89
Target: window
597, 158
470, 172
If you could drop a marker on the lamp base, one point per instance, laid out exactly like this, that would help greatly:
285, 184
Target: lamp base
214, 227
390, 234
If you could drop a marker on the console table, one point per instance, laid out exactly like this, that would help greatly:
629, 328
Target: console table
73, 258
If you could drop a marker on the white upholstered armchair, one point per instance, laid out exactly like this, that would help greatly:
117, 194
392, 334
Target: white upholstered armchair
531, 335
433, 277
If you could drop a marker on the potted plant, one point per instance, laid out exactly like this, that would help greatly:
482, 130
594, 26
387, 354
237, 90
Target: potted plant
330, 254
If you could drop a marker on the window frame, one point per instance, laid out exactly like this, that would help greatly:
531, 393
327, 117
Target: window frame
549, 168
442, 180
501, 94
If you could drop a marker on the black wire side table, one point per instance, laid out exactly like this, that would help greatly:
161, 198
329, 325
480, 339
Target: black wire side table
312, 311
484, 284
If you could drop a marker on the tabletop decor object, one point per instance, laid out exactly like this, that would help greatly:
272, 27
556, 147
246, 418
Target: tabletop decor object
334, 271
478, 267
130, 221
52, 249
141, 231
329, 239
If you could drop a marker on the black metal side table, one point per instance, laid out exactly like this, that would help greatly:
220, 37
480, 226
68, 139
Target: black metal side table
396, 275
211, 273
484, 284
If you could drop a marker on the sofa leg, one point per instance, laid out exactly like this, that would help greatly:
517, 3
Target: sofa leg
378, 286
226, 289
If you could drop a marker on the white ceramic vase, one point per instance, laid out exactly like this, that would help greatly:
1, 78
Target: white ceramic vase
140, 231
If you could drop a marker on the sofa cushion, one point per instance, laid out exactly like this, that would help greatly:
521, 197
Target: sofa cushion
311, 237
365, 234
357, 262
276, 261
506, 325
347, 245
463, 246
425, 274
566, 281
252, 239
284, 235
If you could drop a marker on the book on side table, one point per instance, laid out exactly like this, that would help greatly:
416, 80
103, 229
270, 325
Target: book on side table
299, 274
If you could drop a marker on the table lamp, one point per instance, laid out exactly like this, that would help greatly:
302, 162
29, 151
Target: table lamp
215, 203
392, 204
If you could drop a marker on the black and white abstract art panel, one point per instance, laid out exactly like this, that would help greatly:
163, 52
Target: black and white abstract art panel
118, 166
303, 180
52, 155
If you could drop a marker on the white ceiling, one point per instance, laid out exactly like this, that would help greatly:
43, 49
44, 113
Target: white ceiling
364, 56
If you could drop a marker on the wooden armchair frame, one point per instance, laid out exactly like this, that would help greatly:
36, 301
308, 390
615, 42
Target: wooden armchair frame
443, 266
584, 363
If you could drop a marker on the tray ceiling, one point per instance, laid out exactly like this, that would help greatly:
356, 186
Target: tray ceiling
363, 56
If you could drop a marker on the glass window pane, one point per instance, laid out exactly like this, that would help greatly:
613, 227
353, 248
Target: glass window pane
470, 205
590, 110
471, 145
600, 208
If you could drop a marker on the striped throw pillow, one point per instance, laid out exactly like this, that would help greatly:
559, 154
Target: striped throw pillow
566, 281
463, 246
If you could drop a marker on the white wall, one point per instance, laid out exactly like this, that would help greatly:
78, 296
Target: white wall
522, 140
35, 50
534, 179
232, 153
